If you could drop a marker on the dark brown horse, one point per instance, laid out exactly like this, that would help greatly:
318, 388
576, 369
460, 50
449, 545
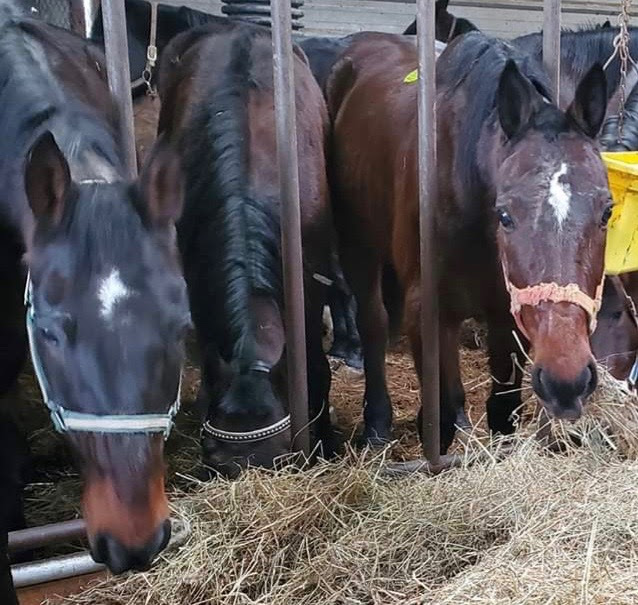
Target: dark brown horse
615, 341
216, 86
447, 26
106, 301
522, 206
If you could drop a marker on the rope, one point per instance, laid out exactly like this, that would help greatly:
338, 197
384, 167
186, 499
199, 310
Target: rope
151, 55
621, 49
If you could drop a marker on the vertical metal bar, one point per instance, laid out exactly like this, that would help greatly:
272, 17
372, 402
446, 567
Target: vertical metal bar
285, 116
78, 17
551, 42
430, 429
90, 9
117, 65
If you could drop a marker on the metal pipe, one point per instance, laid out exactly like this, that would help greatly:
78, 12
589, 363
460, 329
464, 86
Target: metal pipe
430, 426
295, 322
90, 8
551, 43
36, 537
57, 568
117, 66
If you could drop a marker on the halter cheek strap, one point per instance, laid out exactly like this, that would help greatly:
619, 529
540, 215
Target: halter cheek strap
70, 421
533, 296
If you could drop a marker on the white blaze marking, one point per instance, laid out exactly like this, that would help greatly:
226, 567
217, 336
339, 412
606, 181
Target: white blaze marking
560, 195
110, 292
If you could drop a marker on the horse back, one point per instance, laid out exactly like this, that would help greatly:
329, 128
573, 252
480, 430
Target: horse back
375, 147
77, 63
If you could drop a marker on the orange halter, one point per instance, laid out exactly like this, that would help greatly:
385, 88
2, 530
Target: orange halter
552, 292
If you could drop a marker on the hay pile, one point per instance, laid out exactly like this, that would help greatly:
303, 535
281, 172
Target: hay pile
536, 527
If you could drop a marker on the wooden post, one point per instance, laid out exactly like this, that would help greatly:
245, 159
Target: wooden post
117, 65
551, 43
430, 429
285, 115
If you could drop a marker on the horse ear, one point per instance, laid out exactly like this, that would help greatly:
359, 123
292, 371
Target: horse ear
587, 111
46, 179
517, 100
441, 5
162, 186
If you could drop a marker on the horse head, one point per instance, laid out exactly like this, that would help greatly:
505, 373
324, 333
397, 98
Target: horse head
552, 207
107, 315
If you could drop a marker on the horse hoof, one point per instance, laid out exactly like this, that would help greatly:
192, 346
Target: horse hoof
374, 440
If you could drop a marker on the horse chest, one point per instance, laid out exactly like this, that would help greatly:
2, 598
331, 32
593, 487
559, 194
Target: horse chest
469, 272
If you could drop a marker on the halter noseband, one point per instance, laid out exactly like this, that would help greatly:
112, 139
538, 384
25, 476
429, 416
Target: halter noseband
261, 434
65, 421
533, 296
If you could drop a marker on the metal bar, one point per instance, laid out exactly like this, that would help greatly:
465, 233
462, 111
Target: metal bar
430, 428
36, 537
77, 17
551, 43
117, 65
295, 322
57, 568
90, 8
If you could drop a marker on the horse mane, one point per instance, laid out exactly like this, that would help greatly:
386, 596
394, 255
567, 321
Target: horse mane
34, 100
31, 93
582, 47
475, 62
241, 246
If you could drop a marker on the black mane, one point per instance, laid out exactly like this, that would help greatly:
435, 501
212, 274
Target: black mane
476, 62
226, 228
582, 47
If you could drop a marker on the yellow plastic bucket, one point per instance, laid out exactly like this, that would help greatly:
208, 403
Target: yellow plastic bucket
621, 253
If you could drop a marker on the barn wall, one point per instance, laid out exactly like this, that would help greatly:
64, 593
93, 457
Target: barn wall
502, 18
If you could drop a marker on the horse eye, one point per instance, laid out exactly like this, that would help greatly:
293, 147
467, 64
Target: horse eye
505, 219
606, 215
49, 336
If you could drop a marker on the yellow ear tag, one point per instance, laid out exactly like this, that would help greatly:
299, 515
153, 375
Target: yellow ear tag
412, 77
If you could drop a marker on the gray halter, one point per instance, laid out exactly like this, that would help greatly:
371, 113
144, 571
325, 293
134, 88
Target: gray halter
69, 421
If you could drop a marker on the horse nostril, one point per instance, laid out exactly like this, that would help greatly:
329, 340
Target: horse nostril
591, 379
118, 557
538, 383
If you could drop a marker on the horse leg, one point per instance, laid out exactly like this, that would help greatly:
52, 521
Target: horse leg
506, 361
452, 394
319, 378
346, 343
364, 277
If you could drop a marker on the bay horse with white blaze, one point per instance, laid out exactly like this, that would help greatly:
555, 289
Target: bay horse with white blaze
107, 308
216, 87
521, 212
